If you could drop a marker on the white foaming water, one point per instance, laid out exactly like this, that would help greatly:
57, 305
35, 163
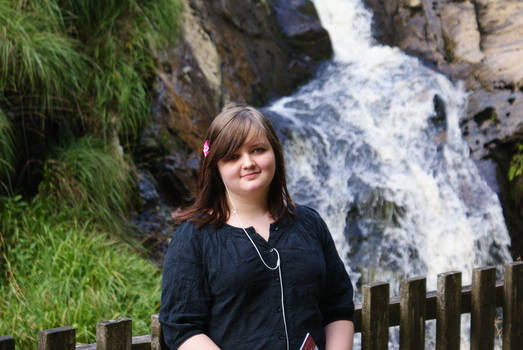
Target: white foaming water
394, 183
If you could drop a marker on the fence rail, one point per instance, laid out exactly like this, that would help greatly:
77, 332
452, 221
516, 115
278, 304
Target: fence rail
372, 318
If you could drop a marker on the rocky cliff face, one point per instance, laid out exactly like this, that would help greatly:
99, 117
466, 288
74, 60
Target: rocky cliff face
481, 43
231, 50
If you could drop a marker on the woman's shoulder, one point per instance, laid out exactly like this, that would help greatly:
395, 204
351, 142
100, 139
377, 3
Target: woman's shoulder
304, 212
187, 231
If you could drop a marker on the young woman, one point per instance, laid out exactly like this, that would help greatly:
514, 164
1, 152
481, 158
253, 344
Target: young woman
247, 268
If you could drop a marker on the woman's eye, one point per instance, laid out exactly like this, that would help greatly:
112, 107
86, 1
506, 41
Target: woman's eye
233, 157
259, 150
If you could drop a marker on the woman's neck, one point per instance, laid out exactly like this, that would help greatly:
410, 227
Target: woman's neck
250, 213
248, 209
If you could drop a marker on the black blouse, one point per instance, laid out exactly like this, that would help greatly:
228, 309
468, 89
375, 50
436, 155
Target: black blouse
214, 283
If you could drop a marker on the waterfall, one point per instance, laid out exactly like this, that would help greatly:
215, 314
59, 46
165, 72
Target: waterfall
373, 143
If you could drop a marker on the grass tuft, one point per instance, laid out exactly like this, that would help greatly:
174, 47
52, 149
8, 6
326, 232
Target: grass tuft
7, 153
90, 179
37, 59
61, 271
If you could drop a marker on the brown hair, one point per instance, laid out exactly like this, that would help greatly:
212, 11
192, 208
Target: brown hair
226, 134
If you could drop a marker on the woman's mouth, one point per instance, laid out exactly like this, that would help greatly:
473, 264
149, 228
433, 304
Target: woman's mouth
251, 175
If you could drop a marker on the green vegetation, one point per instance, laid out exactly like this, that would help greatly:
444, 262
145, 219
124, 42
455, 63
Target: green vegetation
7, 153
516, 164
515, 176
87, 65
87, 178
62, 271
75, 93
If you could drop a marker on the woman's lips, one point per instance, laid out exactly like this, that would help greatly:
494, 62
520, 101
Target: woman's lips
251, 175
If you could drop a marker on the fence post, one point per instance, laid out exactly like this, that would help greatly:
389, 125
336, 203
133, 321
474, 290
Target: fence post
483, 308
157, 342
7, 343
61, 338
448, 311
513, 307
375, 316
114, 334
412, 313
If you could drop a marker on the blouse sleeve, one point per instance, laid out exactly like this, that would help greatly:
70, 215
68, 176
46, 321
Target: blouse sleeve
336, 302
185, 295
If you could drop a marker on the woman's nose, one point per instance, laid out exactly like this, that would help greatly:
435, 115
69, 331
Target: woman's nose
247, 161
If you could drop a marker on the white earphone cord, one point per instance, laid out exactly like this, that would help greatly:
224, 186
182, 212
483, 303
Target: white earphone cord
278, 264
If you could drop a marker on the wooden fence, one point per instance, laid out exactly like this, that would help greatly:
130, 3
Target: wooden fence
373, 318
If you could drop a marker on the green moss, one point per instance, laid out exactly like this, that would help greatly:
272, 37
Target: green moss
515, 176
516, 164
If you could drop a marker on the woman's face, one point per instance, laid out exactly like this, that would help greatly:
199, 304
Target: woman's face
249, 171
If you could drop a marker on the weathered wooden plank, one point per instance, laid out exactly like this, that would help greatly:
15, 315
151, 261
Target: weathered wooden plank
7, 343
375, 316
448, 311
141, 342
412, 313
157, 342
114, 334
61, 338
513, 307
483, 304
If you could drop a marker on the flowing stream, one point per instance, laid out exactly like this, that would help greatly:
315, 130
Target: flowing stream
373, 143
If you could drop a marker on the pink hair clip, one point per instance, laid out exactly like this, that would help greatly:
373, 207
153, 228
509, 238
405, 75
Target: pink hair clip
206, 148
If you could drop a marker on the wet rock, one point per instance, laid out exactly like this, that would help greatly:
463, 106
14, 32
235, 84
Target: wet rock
184, 101
440, 118
153, 227
302, 29
172, 172
147, 185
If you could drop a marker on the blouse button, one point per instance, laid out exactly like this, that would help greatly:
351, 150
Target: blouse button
278, 309
276, 278
282, 337
276, 228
